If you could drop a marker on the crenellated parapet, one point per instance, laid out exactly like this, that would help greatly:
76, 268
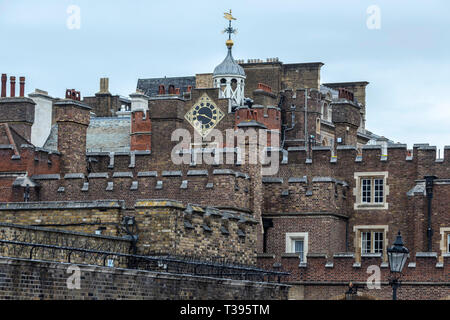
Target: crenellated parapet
339, 270
169, 226
191, 185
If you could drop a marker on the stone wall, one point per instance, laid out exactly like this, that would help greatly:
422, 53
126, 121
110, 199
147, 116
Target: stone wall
162, 226
32, 280
168, 226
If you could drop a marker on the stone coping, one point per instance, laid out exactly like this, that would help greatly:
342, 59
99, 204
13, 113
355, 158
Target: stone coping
197, 173
123, 175
147, 174
172, 174
62, 205
99, 175
74, 176
346, 148
344, 255
70, 102
46, 177
16, 100
192, 208
426, 255
76, 233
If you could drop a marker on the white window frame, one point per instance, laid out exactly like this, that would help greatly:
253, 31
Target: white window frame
359, 230
445, 241
290, 243
448, 243
360, 203
373, 240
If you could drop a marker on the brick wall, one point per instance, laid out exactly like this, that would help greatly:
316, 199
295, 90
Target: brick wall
328, 278
33, 280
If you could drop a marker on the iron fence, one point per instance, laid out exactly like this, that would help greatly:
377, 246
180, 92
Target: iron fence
158, 262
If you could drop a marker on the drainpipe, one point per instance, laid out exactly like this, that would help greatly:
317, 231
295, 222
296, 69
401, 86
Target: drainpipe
306, 119
429, 188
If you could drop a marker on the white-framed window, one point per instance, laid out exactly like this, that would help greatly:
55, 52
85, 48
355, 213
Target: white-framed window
372, 242
297, 243
448, 243
371, 239
371, 191
445, 241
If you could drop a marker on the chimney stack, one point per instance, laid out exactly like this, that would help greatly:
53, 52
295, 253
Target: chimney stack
4, 80
13, 87
73, 119
22, 87
104, 85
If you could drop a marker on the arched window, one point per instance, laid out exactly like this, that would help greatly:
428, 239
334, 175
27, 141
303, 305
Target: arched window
233, 84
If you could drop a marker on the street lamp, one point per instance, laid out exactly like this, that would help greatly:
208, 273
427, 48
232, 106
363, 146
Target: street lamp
397, 258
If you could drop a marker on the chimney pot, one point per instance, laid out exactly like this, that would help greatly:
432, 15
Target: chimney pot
22, 87
4, 80
13, 87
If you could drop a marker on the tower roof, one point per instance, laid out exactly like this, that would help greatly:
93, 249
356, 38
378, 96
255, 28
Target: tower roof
229, 67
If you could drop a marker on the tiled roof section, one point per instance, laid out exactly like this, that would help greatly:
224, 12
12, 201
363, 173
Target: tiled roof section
103, 135
151, 86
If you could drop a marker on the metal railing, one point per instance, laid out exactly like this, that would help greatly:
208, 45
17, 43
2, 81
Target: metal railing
158, 262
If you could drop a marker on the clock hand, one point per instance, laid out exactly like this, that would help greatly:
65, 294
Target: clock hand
205, 116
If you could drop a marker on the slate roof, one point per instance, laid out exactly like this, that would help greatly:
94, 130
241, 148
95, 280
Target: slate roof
229, 67
150, 87
103, 135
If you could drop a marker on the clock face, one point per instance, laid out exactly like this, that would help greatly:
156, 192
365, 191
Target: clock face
204, 115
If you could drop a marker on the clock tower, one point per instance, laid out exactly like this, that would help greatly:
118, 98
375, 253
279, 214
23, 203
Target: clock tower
229, 76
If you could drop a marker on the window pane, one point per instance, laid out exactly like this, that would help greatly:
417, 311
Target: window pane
366, 243
298, 248
379, 190
366, 190
378, 244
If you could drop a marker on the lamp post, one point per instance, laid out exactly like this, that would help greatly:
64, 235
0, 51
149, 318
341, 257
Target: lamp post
397, 255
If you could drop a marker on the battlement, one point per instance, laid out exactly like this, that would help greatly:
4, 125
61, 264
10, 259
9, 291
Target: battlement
368, 154
166, 226
190, 185
28, 159
343, 268
197, 231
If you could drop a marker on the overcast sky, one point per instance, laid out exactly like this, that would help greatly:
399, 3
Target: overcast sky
406, 59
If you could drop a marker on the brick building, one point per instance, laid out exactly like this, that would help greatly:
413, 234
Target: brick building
338, 199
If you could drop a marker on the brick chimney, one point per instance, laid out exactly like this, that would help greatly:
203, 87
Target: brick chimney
17, 112
73, 118
141, 131
13, 86
4, 80
22, 87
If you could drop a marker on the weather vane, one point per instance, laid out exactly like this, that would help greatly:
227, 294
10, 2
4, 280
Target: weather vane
230, 30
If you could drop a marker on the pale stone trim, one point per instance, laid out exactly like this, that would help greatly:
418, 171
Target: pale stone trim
357, 190
290, 237
444, 242
357, 242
